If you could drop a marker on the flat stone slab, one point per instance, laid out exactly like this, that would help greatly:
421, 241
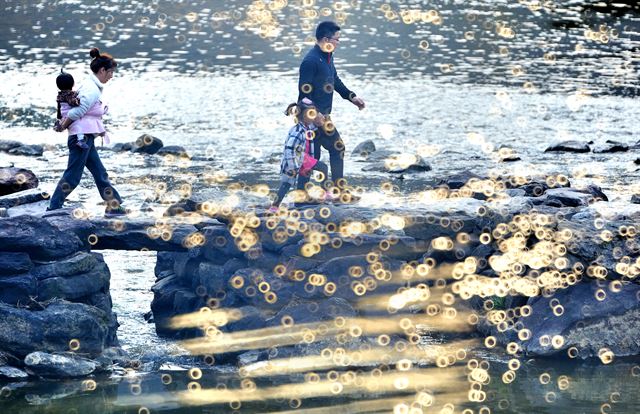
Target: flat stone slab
59, 366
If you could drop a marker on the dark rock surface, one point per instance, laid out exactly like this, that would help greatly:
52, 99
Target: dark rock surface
13, 180
51, 329
610, 146
36, 237
174, 150
364, 148
569, 146
7, 145
23, 197
29, 150
147, 144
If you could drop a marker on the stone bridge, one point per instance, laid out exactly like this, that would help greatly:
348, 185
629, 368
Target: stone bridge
251, 272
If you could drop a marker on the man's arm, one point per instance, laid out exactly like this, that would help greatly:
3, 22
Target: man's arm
308, 70
345, 93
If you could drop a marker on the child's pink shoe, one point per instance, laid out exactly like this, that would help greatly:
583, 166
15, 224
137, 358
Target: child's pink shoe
273, 209
329, 197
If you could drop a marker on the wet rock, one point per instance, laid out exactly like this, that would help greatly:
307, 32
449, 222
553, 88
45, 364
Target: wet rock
171, 298
147, 144
459, 180
75, 286
37, 237
7, 145
81, 262
14, 263
610, 146
364, 148
64, 220
275, 240
307, 311
250, 318
212, 278
59, 366
23, 331
219, 242
23, 197
13, 180
175, 150
381, 155
559, 197
510, 158
17, 289
403, 248
122, 146
594, 318
28, 150
135, 234
405, 163
596, 192
8, 373
569, 146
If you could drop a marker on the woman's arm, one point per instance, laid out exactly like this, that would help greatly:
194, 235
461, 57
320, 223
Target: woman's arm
88, 95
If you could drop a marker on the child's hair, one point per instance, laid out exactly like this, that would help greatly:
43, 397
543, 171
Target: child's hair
64, 81
299, 108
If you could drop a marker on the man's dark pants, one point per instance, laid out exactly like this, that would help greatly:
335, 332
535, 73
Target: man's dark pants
331, 141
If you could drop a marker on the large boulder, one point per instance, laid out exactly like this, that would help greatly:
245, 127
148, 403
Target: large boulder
364, 148
147, 144
59, 366
594, 318
14, 179
37, 237
73, 287
51, 329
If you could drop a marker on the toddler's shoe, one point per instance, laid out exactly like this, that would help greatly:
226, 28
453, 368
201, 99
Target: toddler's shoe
273, 209
82, 145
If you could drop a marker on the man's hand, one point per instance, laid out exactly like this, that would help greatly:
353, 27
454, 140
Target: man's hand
319, 120
357, 101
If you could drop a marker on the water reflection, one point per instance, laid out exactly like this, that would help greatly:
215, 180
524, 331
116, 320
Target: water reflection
540, 387
554, 46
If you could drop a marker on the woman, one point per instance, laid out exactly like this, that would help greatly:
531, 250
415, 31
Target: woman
86, 119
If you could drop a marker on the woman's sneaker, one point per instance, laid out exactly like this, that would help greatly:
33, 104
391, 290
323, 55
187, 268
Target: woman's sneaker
113, 212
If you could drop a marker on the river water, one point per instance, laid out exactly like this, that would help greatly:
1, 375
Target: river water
451, 80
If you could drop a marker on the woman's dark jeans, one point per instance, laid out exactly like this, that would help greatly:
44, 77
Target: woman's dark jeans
78, 159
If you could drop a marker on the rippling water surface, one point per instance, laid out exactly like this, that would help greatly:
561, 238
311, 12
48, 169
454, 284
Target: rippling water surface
454, 80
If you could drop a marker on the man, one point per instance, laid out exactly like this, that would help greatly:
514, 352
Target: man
318, 79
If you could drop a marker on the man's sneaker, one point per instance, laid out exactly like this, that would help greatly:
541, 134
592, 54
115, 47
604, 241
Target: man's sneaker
82, 145
113, 212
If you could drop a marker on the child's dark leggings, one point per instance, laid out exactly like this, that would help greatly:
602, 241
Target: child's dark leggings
301, 182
